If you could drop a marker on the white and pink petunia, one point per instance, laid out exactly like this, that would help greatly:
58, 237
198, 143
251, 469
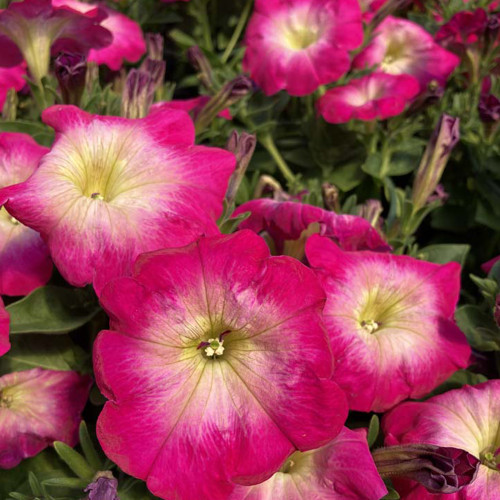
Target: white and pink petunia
341, 470
25, 262
401, 47
374, 96
466, 418
128, 41
390, 321
298, 45
217, 361
38, 407
34, 29
286, 225
112, 188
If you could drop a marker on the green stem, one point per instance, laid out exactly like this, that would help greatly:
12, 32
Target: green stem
268, 142
237, 31
205, 22
386, 159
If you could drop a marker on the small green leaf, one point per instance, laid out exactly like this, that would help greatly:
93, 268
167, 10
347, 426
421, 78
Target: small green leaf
74, 461
20, 496
66, 482
480, 328
35, 485
41, 133
442, 254
52, 310
373, 430
88, 447
392, 494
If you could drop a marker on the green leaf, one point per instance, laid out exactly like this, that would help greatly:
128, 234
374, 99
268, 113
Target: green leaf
442, 254
52, 310
35, 485
373, 430
31, 351
88, 447
391, 495
480, 329
74, 461
66, 482
41, 133
457, 380
347, 177
20, 496
373, 165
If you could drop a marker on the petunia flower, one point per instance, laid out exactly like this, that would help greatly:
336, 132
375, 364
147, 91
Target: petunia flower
341, 470
298, 45
25, 263
390, 321
217, 362
4, 329
11, 78
288, 224
35, 29
128, 41
401, 47
377, 95
38, 407
466, 418
112, 188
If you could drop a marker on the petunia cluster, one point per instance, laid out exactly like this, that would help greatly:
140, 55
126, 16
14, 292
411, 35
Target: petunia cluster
238, 343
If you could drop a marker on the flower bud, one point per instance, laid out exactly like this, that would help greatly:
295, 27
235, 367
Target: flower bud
330, 194
156, 70
438, 469
200, 63
268, 184
443, 140
137, 95
371, 210
230, 93
104, 487
70, 70
243, 147
489, 108
154, 44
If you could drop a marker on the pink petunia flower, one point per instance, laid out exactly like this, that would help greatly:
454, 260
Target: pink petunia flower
288, 224
128, 41
378, 95
488, 266
298, 45
341, 470
38, 407
24, 258
11, 78
401, 47
4, 329
390, 321
112, 188
466, 418
216, 361
35, 29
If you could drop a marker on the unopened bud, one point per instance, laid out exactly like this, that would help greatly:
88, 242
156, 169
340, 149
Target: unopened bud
444, 138
489, 108
103, 487
330, 194
243, 147
137, 95
156, 70
9, 111
371, 210
438, 469
229, 94
71, 70
268, 184
200, 63
154, 44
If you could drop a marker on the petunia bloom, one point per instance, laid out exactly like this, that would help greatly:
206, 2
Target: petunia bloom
25, 263
11, 78
390, 321
38, 407
35, 29
288, 224
216, 361
377, 95
128, 41
400, 47
341, 470
298, 45
112, 188
466, 418
4, 330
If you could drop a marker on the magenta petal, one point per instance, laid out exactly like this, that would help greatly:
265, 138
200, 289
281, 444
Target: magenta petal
250, 413
38, 407
4, 329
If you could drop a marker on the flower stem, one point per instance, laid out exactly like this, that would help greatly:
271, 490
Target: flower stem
237, 31
205, 24
268, 142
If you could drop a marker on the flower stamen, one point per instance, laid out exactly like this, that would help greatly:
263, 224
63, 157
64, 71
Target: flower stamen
370, 325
